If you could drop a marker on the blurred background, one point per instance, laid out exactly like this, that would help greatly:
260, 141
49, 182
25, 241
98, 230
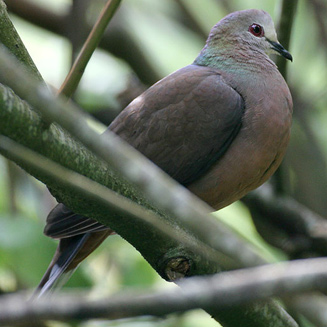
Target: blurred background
146, 40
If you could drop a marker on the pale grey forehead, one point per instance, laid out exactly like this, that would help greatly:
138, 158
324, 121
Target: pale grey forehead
263, 18
248, 17
245, 18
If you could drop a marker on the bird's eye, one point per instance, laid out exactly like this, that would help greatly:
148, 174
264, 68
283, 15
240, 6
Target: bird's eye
256, 30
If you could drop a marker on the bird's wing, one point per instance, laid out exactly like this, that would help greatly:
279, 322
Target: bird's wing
184, 123
63, 222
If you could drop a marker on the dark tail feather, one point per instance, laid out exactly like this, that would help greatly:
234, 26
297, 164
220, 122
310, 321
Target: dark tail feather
70, 252
64, 256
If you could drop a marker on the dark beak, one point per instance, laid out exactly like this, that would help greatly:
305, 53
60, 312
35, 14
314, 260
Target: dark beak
280, 49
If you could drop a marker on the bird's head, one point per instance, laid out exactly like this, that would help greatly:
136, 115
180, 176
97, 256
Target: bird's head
246, 32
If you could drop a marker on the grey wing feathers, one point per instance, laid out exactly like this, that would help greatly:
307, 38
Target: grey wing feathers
184, 123
63, 222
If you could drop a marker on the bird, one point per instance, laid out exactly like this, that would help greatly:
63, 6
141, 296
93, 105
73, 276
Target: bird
219, 126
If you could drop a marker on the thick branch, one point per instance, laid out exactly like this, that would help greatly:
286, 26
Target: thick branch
115, 203
56, 144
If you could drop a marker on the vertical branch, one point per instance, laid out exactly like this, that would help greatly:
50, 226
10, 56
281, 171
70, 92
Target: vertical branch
285, 29
286, 20
320, 12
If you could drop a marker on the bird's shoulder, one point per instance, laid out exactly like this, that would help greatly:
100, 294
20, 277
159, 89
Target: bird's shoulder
183, 123
192, 92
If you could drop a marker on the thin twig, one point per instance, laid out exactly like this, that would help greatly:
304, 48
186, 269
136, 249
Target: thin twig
73, 78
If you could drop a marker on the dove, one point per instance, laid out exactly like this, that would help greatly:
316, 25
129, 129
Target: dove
219, 126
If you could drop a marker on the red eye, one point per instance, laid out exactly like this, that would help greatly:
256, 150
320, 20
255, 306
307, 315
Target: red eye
256, 30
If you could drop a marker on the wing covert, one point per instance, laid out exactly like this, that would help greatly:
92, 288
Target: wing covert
183, 123
63, 223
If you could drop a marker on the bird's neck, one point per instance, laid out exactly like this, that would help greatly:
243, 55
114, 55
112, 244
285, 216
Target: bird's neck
238, 58
244, 71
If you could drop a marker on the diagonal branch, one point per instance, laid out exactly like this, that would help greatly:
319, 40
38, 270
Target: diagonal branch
96, 192
304, 230
73, 78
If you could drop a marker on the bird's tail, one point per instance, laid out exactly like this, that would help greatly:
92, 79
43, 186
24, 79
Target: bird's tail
70, 252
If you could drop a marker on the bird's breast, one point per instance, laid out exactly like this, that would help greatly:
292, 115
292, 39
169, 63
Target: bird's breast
257, 150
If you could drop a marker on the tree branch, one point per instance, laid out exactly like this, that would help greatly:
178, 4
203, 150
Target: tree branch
288, 9
286, 223
116, 204
284, 30
73, 78
221, 291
